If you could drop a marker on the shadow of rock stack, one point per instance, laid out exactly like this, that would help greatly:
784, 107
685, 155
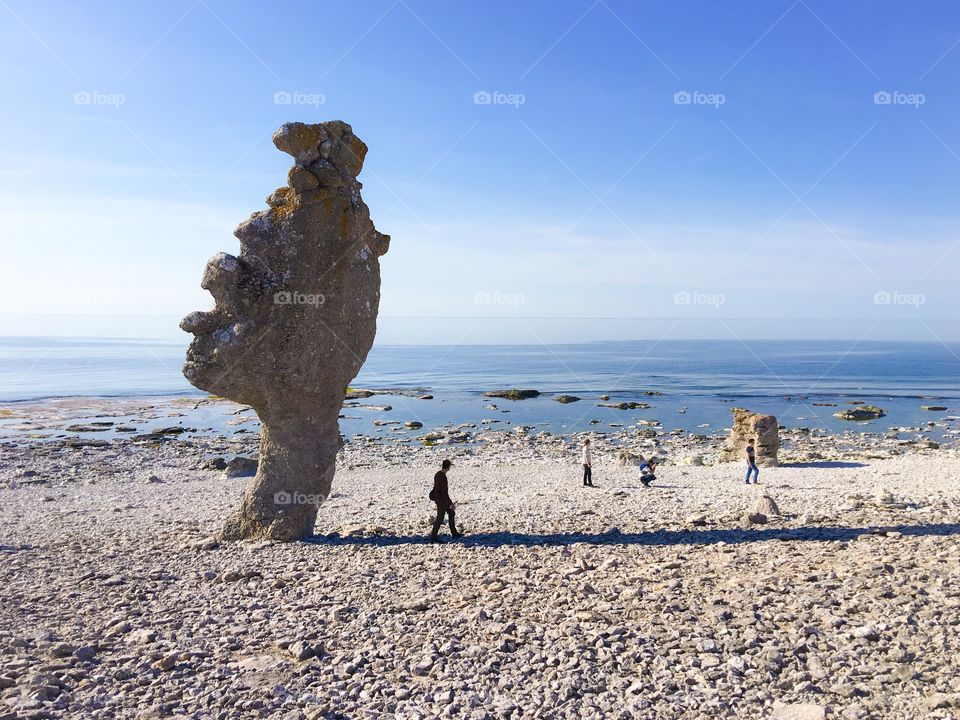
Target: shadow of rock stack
762, 429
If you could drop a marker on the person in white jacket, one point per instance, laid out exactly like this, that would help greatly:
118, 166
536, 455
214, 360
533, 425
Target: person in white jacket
587, 461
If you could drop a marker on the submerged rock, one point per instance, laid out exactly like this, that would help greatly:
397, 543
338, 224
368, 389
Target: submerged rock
513, 394
566, 399
861, 412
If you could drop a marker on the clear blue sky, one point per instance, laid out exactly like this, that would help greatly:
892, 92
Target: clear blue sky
783, 192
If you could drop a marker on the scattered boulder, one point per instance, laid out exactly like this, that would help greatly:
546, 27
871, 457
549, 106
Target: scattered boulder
626, 458
766, 506
934, 408
62, 650
217, 463
861, 412
241, 466
300, 650
167, 662
762, 429
85, 653
755, 518
413, 424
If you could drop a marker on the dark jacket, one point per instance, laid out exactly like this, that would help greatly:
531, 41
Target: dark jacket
441, 494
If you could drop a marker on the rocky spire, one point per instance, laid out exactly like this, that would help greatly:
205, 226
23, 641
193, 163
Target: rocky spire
295, 314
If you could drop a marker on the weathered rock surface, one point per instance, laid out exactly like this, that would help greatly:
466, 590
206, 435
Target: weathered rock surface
766, 505
295, 315
762, 429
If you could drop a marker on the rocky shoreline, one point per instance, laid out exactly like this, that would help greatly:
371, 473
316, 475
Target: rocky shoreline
675, 601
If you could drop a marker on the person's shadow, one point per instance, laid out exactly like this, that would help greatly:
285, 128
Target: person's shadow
729, 536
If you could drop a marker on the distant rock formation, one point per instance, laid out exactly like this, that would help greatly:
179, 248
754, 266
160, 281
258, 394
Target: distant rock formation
762, 429
295, 315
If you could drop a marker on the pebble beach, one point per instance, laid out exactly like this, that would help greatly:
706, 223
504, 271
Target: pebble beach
694, 598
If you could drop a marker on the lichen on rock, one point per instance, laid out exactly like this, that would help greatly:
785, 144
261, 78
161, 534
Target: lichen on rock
294, 317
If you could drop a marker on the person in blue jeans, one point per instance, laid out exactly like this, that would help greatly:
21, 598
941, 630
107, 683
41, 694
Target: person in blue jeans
752, 463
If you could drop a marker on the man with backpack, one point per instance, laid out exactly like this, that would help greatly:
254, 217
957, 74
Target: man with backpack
445, 506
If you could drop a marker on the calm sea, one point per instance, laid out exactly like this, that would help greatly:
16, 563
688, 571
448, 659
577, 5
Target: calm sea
699, 380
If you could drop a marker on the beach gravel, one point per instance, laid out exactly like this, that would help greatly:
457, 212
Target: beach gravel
618, 601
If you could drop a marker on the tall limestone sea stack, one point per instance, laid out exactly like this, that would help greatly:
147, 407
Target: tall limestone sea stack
762, 429
295, 315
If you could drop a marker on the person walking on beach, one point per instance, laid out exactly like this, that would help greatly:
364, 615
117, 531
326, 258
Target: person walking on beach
587, 461
752, 463
445, 506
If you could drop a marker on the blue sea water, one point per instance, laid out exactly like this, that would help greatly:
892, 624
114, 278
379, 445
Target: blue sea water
790, 379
